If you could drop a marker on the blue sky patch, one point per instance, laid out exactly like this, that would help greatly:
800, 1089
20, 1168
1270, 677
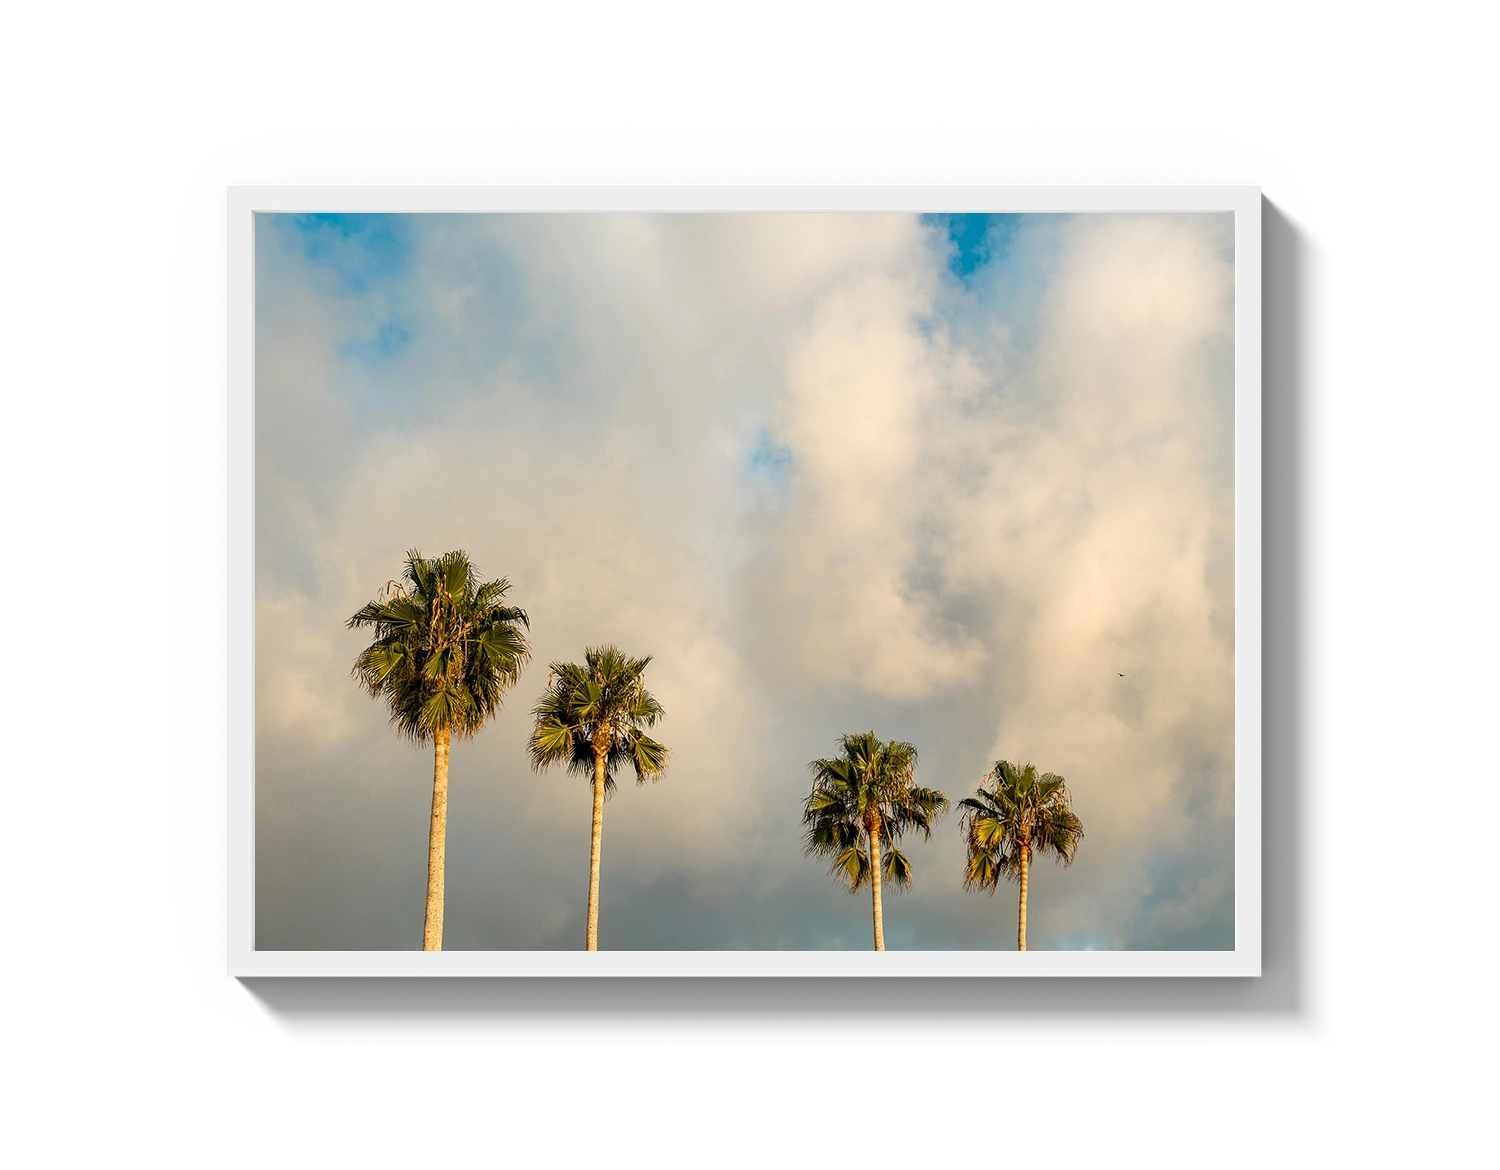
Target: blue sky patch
976, 239
770, 462
361, 250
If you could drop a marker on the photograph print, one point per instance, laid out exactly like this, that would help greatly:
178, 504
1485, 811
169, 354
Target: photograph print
746, 581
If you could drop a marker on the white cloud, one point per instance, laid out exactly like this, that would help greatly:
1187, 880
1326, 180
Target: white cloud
303, 692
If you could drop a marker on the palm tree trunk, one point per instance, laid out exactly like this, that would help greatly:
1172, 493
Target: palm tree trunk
598, 838
1025, 879
437, 843
874, 834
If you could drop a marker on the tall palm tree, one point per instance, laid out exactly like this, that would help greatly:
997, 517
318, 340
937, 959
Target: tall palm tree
446, 648
590, 718
1021, 813
862, 802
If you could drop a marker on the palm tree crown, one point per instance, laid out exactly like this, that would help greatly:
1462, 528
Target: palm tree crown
1021, 813
599, 708
862, 802
446, 647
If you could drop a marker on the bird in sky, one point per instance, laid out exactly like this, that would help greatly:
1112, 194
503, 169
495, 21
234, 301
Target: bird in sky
1122, 676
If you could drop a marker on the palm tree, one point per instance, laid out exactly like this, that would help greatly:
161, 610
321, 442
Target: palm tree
590, 718
1004, 824
861, 803
446, 648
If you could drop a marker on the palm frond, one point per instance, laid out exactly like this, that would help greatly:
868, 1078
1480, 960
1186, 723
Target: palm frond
1058, 831
647, 757
457, 574
419, 571
897, 868
852, 866
550, 743
984, 871
824, 799
377, 663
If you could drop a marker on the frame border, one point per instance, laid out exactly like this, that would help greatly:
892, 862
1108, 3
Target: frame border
1137, 1016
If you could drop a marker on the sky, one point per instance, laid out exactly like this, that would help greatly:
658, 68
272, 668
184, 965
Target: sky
966, 481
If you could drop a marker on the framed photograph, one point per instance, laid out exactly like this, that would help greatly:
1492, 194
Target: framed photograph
745, 581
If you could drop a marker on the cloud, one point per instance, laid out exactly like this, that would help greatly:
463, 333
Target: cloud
834, 576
